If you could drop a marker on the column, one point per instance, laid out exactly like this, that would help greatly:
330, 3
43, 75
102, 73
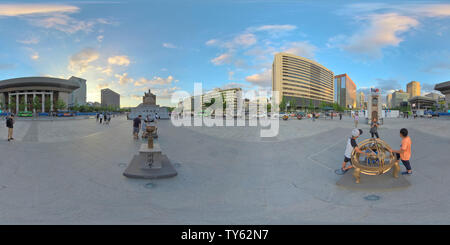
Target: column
17, 103
26, 102
34, 97
51, 101
9, 101
43, 102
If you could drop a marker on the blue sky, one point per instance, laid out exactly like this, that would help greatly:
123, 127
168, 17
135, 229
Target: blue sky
132, 46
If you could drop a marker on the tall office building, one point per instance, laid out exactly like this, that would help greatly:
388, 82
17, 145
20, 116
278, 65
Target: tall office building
398, 97
302, 79
344, 91
360, 97
78, 96
389, 101
413, 89
110, 98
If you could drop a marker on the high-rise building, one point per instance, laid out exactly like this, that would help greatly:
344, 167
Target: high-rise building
413, 89
110, 98
78, 96
304, 80
360, 97
389, 101
398, 97
344, 91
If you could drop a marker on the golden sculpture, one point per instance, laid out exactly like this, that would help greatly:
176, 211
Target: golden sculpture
150, 130
379, 161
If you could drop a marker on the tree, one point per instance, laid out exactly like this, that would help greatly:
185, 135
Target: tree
12, 106
311, 106
36, 103
283, 104
60, 104
293, 104
47, 104
22, 105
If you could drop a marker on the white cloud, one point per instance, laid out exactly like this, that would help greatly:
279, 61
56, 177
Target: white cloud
34, 56
102, 85
303, 49
155, 81
383, 31
80, 61
121, 60
33, 9
168, 45
246, 39
62, 23
124, 79
212, 42
262, 79
100, 38
32, 40
224, 58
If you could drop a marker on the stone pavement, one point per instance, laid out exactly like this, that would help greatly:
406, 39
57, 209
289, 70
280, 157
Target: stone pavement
70, 172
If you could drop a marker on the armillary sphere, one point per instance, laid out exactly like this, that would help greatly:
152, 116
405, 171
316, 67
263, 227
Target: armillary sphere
379, 161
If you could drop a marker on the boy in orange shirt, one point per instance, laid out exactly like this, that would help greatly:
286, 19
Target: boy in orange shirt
405, 150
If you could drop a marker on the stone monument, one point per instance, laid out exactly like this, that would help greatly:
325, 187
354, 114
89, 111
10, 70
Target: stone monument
150, 163
148, 107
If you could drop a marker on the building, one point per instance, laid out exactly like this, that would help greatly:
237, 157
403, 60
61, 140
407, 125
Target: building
230, 96
389, 101
413, 89
18, 94
302, 79
344, 91
360, 97
148, 107
422, 103
398, 97
434, 96
444, 88
78, 96
110, 98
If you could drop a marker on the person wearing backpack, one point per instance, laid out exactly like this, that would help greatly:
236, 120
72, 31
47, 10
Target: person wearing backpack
10, 126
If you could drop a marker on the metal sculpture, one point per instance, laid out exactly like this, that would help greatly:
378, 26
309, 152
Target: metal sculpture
285, 117
150, 130
379, 161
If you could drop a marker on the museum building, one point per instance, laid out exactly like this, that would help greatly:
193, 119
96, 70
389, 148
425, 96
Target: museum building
23, 91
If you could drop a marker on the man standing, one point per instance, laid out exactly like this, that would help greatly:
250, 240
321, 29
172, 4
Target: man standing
136, 126
10, 125
340, 116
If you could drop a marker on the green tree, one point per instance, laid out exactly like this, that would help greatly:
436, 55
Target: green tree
36, 103
283, 104
12, 106
47, 104
22, 105
311, 106
60, 105
293, 104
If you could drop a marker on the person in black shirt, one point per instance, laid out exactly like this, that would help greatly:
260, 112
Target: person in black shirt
10, 125
136, 126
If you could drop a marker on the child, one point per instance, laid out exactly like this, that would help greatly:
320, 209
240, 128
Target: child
351, 144
374, 128
405, 151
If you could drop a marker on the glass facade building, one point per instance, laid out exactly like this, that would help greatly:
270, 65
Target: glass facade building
344, 91
301, 79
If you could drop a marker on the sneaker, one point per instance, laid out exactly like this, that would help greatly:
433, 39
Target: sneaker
406, 173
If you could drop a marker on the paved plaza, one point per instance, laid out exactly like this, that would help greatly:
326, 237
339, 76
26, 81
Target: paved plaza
70, 172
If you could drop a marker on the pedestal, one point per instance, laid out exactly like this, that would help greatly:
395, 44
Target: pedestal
150, 163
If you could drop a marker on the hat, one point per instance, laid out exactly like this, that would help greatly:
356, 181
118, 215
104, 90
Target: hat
356, 132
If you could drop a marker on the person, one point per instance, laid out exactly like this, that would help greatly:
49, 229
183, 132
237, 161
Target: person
404, 153
109, 118
97, 117
10, 126
351, 144
144, 129
374, 128
136, 126
340, 116
313, 116
356, 119
101, 118
156, 116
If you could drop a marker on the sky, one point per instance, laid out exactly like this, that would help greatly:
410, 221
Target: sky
167, 46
